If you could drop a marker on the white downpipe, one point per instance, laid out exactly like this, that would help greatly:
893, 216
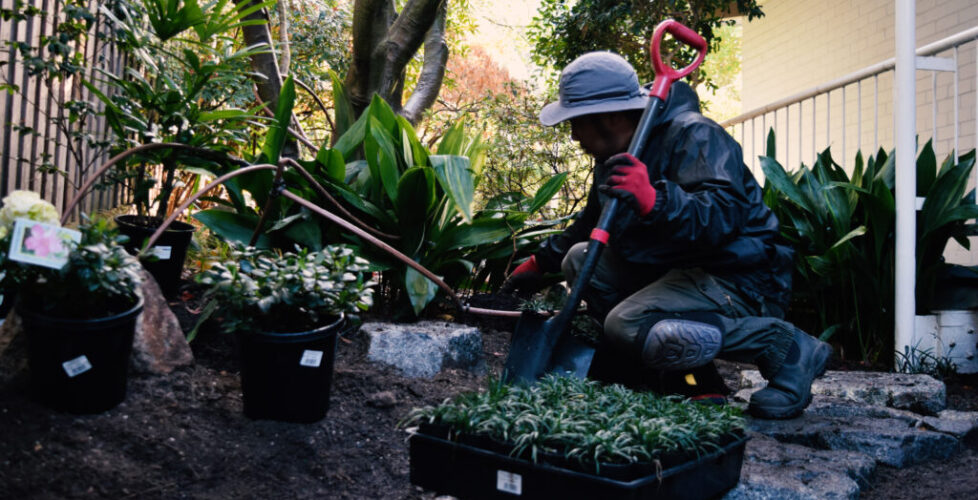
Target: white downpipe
905, 117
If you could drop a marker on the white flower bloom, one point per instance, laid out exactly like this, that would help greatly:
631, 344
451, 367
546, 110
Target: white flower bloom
28, 205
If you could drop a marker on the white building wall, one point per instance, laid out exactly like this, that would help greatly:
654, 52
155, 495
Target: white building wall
799, 45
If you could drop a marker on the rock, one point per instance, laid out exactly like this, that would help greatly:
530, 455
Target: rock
897, 442
425, 348
778, 471
918, 393
383, 399
960, 424
159, 345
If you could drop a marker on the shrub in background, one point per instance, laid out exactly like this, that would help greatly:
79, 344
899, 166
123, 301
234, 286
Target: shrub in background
842, 228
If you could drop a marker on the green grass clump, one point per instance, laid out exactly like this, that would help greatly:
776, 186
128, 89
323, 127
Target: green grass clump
584, 420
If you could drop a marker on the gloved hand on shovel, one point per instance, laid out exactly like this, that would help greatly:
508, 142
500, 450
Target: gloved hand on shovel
525, 280
629, 182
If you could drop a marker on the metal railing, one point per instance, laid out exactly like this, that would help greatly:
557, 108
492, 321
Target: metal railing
798, 123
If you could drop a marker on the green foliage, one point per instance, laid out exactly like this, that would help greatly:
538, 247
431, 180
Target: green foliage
184, 79
100, 278
584, 420
263, 290
842, 229
915, 360
424, 199
563, 30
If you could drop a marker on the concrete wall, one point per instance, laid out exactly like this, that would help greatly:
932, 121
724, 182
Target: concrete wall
799, 45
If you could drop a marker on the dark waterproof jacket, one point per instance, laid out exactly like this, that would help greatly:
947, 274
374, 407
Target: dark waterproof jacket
709, 212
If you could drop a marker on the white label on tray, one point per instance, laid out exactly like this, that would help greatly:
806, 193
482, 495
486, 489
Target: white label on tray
77, 366
509, 482
311, 358
162, 253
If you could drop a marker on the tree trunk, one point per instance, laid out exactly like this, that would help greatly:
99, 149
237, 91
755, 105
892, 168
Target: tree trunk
268, 78
384, 42
285, 59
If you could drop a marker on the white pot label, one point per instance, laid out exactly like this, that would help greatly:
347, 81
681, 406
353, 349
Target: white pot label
311, 358
509, 482
77, 366
162, 253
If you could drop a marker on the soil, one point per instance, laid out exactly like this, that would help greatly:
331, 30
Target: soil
183, 435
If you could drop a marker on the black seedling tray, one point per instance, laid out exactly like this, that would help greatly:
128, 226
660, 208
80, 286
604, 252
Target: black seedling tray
468, 471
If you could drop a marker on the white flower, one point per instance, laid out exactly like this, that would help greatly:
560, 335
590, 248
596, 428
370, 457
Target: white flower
28, 205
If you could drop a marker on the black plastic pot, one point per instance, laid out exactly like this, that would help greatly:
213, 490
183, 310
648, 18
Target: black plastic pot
79, 365
467, 470
170, 249
287, 376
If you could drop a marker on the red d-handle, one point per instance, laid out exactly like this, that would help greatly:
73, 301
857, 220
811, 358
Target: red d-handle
665, 75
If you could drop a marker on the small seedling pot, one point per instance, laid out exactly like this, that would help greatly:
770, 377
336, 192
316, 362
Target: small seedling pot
288, 376
167, 254
471, 468
79, 365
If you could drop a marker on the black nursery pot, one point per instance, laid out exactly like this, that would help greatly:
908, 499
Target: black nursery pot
287, 376
170, 248
79, 365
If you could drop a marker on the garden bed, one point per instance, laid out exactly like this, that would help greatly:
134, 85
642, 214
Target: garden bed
184, 436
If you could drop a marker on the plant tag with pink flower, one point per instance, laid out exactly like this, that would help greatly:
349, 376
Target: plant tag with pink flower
41, 244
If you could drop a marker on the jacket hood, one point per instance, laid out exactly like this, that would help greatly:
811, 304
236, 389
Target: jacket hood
682, 98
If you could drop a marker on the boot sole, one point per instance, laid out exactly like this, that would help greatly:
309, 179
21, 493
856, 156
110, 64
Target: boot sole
822, 355
678, 347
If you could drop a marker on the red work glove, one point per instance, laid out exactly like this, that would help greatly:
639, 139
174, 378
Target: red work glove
526, 279
629, 182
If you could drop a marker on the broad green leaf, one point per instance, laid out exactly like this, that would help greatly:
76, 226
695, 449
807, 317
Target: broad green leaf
546, 192
350, 141
307, 234
775, 174
285, 221
224, 114
415, 195
232, 226
385, 156
479, 232
455, 178
380, 218
342, 108
415, 154
859, 231
926, 169
331, 162
420, 289
278, 131
382, 112
772, 144
452, 142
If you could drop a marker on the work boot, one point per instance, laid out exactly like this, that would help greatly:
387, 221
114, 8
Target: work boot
789, 391
680, 344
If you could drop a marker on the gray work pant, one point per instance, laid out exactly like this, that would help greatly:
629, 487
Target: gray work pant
628, 298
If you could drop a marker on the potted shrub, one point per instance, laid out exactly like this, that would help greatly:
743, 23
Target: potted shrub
79, 319
575, 438
286, 310
180, 86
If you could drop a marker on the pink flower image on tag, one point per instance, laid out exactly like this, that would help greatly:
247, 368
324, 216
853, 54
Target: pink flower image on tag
43, 241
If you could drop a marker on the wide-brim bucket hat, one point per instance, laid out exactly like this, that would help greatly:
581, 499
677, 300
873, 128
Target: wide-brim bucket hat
596, 82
